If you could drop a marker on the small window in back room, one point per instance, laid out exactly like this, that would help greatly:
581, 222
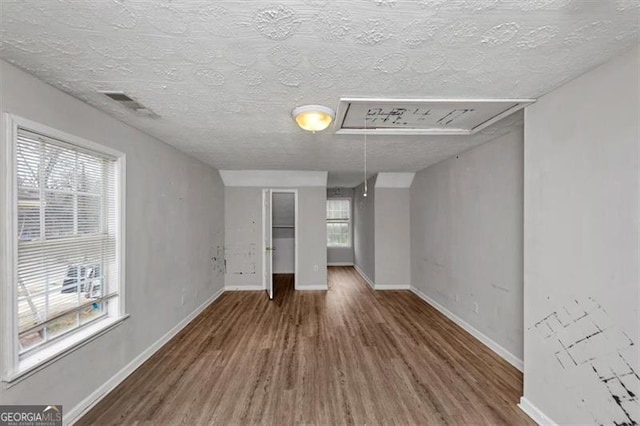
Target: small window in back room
339, 222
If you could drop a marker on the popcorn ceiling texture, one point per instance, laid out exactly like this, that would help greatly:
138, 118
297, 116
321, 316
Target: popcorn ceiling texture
224, 76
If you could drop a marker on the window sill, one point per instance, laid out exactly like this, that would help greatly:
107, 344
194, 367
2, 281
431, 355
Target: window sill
42, 358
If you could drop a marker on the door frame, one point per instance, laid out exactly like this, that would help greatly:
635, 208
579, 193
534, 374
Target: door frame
295, 233
267, 252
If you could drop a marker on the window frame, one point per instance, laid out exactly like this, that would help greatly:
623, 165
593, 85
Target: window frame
348, 221
13, 367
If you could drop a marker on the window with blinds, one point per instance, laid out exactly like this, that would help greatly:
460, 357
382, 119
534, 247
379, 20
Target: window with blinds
338, 222
67, 264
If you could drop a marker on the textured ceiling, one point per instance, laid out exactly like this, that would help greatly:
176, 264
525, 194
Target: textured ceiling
223, 76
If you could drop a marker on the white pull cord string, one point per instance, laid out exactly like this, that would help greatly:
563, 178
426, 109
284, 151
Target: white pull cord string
365, 155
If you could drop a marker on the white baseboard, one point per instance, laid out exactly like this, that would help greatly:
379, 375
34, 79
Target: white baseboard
284, 272
243, 288
535, 413
90, 401
505, 354
312, 287
393, 287
380, 286
364, 276
340, 264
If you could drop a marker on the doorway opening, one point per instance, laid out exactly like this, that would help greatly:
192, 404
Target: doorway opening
280, 265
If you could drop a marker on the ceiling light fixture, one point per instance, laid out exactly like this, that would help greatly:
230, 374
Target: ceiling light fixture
313, 118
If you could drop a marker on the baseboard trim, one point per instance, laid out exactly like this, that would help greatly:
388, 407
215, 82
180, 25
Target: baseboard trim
364, 276
284, 272
487, 341
312, 287
340, 264
535, 413
243, 288
393, 287
96, 396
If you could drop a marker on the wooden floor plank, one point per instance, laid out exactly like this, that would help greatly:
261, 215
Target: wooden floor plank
344, 356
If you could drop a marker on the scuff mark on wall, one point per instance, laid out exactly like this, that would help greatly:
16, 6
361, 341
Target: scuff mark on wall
584, 337
218, 261
498, 287
622, 385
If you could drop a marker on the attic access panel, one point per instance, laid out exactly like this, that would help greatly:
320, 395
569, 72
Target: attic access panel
422, 116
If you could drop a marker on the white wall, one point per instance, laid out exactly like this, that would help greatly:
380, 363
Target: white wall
364, 230
581, 247
175, 213
283, 255
243, 235
381, 235
283, 238
341, 255
466, 238
283, 208
392, 238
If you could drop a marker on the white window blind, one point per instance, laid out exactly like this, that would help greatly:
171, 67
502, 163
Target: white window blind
338, 223
67, 271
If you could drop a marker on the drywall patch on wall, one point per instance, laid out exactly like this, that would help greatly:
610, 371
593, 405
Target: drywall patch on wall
581, 335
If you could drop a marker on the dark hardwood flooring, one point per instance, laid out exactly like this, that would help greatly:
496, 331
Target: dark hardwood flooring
344, 356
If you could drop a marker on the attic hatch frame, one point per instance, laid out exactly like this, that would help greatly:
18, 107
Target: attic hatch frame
511, 106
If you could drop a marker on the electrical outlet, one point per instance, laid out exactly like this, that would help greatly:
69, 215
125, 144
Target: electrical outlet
475, 307
315, 268
455, 297
182, 299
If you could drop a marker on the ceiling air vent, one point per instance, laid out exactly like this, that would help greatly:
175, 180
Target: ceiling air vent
117, 96
422, 116
130, 103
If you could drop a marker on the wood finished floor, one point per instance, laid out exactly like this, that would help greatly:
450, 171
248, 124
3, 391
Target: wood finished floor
344, 356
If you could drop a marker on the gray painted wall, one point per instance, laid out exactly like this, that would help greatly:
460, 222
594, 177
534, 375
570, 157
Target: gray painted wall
175, 213
283, 208
364, 229
283, 238
581, 246
392, 237
341, 255
466, 237
243, 235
